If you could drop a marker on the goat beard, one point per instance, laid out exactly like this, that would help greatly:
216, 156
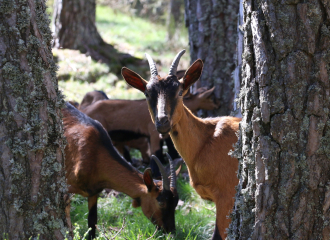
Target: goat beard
163, 136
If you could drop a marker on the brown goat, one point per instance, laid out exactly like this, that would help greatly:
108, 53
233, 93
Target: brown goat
203, 143
127, 121
92, 164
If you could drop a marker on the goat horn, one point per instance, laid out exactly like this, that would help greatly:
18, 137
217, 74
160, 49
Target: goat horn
152, 65
172, 170
162, 170
175, 63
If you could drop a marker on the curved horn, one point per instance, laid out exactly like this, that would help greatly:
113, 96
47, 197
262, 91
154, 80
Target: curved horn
152, 65
175, 63
166, 184
172, 170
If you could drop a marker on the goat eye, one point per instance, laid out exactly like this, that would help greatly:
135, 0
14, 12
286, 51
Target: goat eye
146, 94
180, 93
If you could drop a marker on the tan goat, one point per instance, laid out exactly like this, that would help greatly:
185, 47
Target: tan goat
203, 143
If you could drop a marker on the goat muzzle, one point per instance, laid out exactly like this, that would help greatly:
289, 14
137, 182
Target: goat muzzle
163, 126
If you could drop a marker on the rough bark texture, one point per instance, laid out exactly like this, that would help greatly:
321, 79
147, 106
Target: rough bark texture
238, 60
32, 177
283, 148
212, 38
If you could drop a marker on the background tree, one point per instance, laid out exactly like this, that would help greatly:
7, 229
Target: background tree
32, 182
212, 38
284, 177
74, 28
174, 17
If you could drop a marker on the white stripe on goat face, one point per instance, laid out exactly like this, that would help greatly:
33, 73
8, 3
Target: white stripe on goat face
161, 105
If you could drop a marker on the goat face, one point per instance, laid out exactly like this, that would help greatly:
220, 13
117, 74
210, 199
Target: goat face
164, 95
159, 203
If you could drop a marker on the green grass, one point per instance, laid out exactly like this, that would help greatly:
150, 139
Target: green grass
79, 74
194, 218
137, 35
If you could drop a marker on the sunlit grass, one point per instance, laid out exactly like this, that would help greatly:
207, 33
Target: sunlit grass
137, 35
194, 217
79, 74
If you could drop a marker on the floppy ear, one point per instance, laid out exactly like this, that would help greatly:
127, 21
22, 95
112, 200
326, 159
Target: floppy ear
192, 74
147, 178
134, 79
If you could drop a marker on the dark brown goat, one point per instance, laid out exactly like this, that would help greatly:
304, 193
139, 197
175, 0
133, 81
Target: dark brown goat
204, 144
92, 164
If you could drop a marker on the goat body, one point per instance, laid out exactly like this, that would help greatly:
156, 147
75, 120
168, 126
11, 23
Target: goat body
128, 121
204, 144
92, 164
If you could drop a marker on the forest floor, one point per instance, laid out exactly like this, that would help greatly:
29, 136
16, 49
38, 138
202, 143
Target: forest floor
79, 74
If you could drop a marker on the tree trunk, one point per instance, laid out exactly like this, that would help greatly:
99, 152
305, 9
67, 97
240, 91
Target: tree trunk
283, 148
74, 28
238, 61
173, 17
74, 24
32, 177
212, 38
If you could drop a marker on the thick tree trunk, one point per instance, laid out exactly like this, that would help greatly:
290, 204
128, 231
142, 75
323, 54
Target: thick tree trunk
32, 177
74, 24
283, 149
212, 38
74, 28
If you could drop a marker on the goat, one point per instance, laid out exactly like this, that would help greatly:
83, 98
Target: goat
129, 120
203, 143
92, 97
92, 164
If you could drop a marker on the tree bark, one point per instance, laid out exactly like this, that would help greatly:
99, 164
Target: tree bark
212, 38
32, 177
74, 24
283, 148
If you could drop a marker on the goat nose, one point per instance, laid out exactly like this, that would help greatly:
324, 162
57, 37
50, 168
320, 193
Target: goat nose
163, 120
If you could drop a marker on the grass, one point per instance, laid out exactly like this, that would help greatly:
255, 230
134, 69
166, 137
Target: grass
79, 74
194, 217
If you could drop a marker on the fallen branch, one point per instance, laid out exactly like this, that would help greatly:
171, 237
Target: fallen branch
102, 233
122, 227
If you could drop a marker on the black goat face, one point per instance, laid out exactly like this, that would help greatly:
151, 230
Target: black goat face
163, 96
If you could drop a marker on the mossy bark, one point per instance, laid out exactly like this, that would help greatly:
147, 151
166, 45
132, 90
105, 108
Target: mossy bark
283, 148
32, 177
212, 37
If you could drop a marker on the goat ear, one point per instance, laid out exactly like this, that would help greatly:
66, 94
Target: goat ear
136, 203
147, 178
134, 79
192, 74
180, 74
207, 93
178, 170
